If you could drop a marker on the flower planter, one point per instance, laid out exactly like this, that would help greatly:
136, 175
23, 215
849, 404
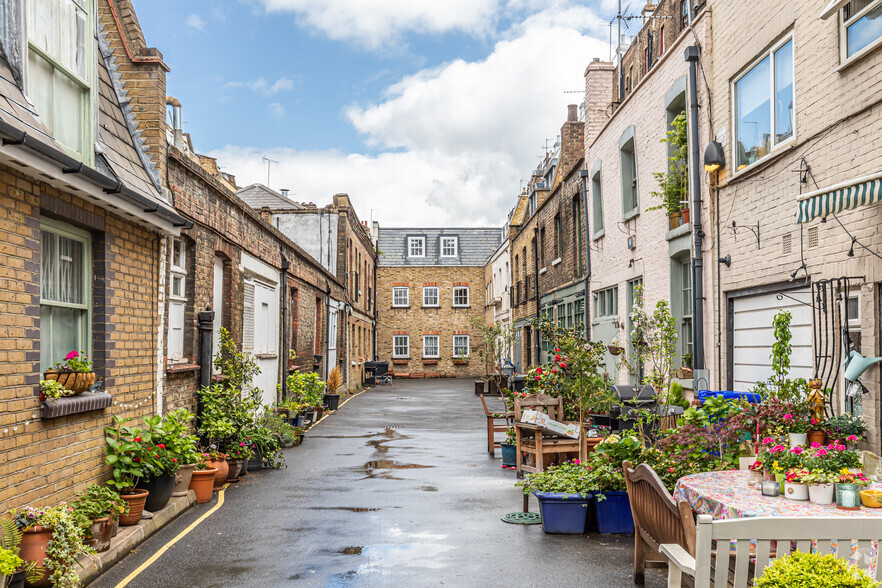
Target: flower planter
614, 513
136, 502
235, 466
563, 513
848, 497
821, 493
797, 439
674, 219
114, 525
202, 483
685, 214
220, 463
182, 479
33, 548
255, 463
243, 471
16, 580
332, 401
102, 531
160, 489
76, 382
796, 491
509, 454
816, 437
780, 479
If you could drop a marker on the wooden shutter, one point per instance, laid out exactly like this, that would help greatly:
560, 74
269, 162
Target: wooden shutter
248, 318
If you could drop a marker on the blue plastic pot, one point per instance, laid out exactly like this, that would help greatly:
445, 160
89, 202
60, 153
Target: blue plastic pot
614, 513
509, 454
564, 513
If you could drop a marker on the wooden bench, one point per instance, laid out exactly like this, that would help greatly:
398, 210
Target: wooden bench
497, 422
658, 518
748, 564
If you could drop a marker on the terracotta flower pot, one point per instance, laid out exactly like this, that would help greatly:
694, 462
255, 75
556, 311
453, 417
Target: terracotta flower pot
182, 479
202, 483
76, 382
223, 469
102, 531
235, 466
816, 437
136, 502
33, 548
114, 525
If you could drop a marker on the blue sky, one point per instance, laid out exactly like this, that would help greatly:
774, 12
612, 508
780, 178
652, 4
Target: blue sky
428, 111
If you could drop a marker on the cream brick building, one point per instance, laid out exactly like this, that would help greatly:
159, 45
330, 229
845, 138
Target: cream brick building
429, 282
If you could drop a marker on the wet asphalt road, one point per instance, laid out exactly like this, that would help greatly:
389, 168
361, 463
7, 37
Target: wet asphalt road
395, 489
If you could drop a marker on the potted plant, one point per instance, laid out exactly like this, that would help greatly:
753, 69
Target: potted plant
74, 373
846, 427
509, 449
795, 484
15, 569
99, 505
756, 471
797, 426
331, 398
162, 465
127, 455
202, 480
52, 390
812, 569
820, 486
181, 445
564, 492
848, 485
238, 451
52, 538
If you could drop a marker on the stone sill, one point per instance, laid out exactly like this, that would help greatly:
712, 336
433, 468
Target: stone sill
543, 270
683, 229
85, 402
394, 307
430, 361
556, 261
179, 368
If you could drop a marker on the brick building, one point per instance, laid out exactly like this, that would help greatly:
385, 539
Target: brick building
429, 282
632, 241
83, 216
342, 243
805, 187
497, 287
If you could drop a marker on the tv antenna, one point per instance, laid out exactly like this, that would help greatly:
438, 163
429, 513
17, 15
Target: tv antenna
269, 164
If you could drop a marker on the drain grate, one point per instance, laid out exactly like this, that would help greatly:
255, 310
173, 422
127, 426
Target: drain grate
523, 518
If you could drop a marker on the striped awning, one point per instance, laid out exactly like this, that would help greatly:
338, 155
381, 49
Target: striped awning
845, 196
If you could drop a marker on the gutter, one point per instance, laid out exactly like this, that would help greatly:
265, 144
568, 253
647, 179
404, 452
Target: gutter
328, 328
70, 165
584, 175
283, 276
536, 336
692, 55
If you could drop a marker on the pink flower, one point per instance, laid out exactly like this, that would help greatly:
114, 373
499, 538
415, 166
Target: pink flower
242, 444
796, 450
72, 355
577, 461
788, 416
821, 452
814, 421
768, 441
671, 470
777, 448
852, 439
538, 378
815, 444
840, 448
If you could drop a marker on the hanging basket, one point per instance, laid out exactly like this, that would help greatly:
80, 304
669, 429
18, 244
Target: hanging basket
76, 382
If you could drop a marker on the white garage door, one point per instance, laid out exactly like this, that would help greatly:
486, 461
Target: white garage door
754, 335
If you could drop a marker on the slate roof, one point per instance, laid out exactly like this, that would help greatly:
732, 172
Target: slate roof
258, 196
476, 245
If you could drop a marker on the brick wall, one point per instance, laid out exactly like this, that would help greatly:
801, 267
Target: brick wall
44, 462
416, 321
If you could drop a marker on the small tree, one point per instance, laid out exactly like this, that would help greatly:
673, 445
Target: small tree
654, 339
238, 368
496, 343
779, 385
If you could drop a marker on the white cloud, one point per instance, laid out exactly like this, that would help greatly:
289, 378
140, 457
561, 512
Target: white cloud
458, 137
263, 87
194, 21
374, 23
276, 110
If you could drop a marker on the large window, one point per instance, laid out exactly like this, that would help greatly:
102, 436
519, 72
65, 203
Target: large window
401, 346
580, 314
400, 296
597, 204
630, 201
59, 75
861, 26
430, 296
430, 346
606, 302
177, 300
764, 106
416, 246
558, 245
449, 246
460, 346
65, 292
461, 296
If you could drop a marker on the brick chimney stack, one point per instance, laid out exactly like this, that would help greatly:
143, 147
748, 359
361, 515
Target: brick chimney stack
572, 141
598, 95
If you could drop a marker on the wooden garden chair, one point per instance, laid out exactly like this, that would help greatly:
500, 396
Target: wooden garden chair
497, 422
746, 564
658, 519
541, 447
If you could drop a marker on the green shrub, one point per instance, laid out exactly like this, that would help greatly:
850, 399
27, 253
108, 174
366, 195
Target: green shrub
810, 570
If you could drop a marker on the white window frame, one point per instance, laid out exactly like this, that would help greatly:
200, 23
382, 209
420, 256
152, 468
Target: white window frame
396, 345
467, 295
177, 302
437, 296
437, 339
775, 146
411, 241
467, 346
455, 241
844, 57
85, 151
397, 290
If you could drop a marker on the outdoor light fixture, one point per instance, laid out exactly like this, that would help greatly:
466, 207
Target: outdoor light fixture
795, 272
713, 157
851, 249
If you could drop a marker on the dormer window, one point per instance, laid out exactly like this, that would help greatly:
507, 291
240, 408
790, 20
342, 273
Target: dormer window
416, 246
449, 246
59, 73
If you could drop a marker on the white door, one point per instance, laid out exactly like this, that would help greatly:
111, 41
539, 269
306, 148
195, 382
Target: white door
332, 340
753, 336
217, 304
261, 335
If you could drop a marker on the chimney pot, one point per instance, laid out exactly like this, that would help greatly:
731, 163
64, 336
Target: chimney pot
572, 112
284, 192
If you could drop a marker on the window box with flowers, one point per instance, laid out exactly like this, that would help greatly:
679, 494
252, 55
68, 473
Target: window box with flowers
63, 389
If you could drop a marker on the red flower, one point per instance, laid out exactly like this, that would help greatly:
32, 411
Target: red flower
538, 378
137, 459
557, 350
174, 460
557, 358
137, 439
553, 371
539, 370
161, 446
563, 365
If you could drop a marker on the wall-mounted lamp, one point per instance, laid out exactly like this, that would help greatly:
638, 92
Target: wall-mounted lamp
714, 158
851, 249
726, 260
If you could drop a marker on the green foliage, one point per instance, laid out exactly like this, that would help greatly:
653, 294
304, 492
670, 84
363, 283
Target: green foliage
844, 425
306, 389
225, 413
126, 453
811, 570
9, 562
674, 182
278, 426
676, 396
75, 361
238, 368
654, 339
174, 433
266, 442
53, 389
97, 502
66, 544
497, 341
568, 478
779, 385
10, 540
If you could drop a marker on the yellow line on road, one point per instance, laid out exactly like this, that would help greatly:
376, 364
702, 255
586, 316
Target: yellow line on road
181, 535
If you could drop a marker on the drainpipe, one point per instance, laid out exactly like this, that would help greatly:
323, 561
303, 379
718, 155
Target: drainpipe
536, 284
692, 54
283, 277
584, 175
205, 324
328, 327
374, 300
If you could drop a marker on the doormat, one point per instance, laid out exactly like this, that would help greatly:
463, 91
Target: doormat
523, 518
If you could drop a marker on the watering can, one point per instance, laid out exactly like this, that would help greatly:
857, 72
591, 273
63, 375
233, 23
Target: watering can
858, 364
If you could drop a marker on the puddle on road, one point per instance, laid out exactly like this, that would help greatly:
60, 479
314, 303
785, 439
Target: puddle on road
371, 468
349, 508
351, 550
388, 433
429, 488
